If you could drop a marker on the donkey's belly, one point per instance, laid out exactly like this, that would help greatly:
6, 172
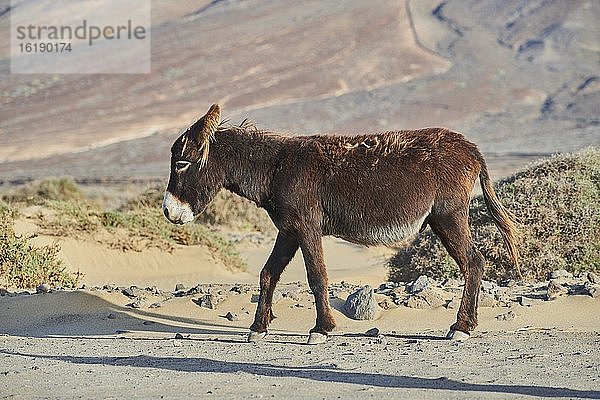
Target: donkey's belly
377, 234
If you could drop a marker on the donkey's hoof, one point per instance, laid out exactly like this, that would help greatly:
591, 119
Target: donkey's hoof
256, 336
457, 336
316, 338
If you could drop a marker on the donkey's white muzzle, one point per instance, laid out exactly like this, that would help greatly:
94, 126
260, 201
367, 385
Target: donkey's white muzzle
177, 211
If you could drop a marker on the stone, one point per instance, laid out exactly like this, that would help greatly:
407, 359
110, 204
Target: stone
179, 287
526, 301
155, 305
487, 300
452, 304
135, 304
361, 305
277, 296
560, 273
593, 277
373, 332
112, 316
43, 288
555, 290
387, 303
231, 316
592, 289
178, 336
419, 284
506, 316
131, 292
206, 301
426, 298
488, 286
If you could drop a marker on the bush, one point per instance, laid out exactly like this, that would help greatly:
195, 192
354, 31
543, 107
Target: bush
557, 204
38, 192
23, 265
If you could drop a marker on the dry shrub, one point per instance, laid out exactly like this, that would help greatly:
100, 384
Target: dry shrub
23, 265
63, 189
557, 204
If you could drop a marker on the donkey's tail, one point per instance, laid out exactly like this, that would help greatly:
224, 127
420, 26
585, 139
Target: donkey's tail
503, 218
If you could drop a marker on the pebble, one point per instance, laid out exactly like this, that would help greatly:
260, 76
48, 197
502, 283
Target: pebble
232, 316
206, 301
373, 332
155, 305
506, 316
179, 286
526, 301
419, 284
426, 298
111, 316
43, 288
131, 292
555, 290
178, 336
592, 289
560, 273
452, 304
135, 304
361, 305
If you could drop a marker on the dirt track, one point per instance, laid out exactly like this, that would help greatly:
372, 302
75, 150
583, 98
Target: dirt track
548, 363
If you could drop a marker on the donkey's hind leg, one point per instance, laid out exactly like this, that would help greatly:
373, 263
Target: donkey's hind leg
284, 250
454, 232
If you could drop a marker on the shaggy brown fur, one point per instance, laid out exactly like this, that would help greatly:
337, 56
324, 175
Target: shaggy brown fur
367, 189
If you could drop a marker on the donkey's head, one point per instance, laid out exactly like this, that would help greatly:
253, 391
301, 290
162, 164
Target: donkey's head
195, 176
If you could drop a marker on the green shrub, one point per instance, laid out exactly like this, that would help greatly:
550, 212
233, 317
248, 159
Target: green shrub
557, 204
23, 265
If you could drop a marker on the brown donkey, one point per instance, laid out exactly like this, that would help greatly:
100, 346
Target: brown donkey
367, 189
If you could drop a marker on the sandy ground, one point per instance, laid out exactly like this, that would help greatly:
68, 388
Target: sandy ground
88, 344
92, 344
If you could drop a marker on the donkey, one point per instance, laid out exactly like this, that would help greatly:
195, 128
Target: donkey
374, 189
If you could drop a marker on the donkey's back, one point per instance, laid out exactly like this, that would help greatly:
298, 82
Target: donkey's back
381, 188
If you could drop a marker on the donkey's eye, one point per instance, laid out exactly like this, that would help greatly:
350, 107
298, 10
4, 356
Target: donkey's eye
181, 165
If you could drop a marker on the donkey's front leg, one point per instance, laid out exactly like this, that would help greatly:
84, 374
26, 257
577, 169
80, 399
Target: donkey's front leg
312, 251
283, 251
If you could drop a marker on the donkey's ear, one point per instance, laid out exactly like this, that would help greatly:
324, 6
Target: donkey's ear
207, 125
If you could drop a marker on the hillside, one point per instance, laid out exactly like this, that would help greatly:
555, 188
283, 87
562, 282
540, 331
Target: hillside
520, 78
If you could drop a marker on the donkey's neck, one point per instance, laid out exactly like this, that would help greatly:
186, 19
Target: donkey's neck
250, 161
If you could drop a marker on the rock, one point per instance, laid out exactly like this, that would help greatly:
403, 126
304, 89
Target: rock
526, 301
593, 277
4, 292
555, 290
206, 301
277, 296
178, 336
560, 273
236, 289
451, 282
43, 288
361, 305
373, 332
179, 287
231, 316
452, 304
131, 291
506, 316
489, 287
155, 305
135, 304
255, 297
387, 303
112, 316
420, 284
426, 298
592, 289
487, 300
